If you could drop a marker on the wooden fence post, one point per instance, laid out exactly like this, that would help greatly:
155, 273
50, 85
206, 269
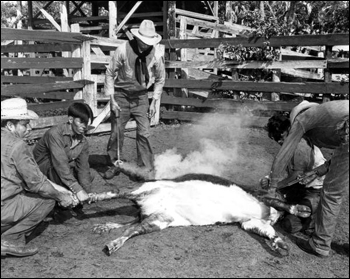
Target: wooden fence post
89, 93
327, 72
112, 15
65, 28
183, 35
76, 52
276, 77
171, 29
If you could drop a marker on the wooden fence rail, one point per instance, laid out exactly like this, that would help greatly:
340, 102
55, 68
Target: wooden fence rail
298, 40
87, 54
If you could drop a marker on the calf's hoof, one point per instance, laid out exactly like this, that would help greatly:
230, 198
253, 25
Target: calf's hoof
101, 228
300, 210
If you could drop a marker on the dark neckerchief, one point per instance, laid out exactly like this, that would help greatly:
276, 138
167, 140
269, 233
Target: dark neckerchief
140, 63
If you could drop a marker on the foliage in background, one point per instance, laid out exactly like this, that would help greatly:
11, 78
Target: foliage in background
276, 18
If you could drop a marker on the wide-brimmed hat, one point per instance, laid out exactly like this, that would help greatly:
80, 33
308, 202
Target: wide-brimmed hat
16, 108
304, 105
147, 33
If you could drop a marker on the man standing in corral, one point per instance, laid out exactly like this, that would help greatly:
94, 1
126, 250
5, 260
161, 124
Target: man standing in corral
134, 67
326, 125
27, 196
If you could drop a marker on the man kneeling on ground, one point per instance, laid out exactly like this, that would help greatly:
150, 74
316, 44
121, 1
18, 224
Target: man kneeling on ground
27, 196
63, 153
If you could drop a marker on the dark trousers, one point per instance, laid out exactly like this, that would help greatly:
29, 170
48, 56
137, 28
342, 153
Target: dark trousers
136, 106
21, 214
335, 189
298, 194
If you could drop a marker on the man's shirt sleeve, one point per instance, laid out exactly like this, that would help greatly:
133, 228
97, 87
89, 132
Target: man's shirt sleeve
34, 180
159, 76
83, 167
286, 152
112, 71
60, 161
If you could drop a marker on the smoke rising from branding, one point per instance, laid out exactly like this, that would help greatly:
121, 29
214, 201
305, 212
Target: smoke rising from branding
218, 137
219, 145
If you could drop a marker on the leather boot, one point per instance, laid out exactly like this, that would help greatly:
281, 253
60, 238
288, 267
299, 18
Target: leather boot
9, 248
111, 172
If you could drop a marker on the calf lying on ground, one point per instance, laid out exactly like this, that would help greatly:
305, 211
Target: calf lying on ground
195, 200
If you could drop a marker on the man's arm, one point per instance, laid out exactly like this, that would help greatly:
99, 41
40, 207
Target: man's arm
159, 81
60, 161
285, 154
34, 180
83, 167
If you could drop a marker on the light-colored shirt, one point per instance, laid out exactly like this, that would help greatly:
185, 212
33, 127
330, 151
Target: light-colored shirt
306, 159
120, 73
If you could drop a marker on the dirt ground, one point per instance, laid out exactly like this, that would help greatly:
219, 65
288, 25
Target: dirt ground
244, 155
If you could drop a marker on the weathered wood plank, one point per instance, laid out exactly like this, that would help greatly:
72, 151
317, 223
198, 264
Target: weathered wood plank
200, 64
41, 36
55, 95
44, 122
302, 74
228, 103
97, 59
195, 15
52, 106
104, 114
17, 89
338, 63
216, 26
29, 79
107, 42
126, 18
41, 63
293, 55
305, 40
47, 15
37, 48
302, 87
318, 64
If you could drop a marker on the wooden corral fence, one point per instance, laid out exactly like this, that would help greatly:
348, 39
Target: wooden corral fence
34, 69
197, 56
190, 63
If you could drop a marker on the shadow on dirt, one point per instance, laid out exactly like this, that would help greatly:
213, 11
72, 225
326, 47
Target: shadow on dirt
99, 162
341, 249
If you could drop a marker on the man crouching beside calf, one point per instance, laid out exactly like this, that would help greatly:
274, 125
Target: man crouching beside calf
27, 196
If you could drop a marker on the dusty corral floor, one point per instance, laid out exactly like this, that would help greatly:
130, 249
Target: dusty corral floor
70, 249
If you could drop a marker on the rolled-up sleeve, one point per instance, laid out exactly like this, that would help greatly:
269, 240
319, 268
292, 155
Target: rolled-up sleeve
112, 72
159, 77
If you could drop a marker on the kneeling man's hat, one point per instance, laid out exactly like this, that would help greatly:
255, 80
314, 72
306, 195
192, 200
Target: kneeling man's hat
16, 108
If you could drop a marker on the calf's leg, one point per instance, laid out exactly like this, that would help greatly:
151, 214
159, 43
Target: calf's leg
263, 228
149, 224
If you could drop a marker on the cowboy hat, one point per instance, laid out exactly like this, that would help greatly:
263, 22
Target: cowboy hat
16, 109
147, 33
304, 105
